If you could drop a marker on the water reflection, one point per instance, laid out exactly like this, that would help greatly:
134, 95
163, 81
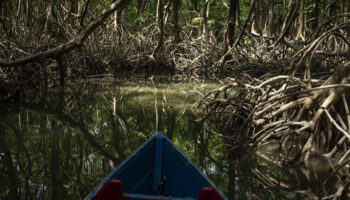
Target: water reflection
59, 144
315, 179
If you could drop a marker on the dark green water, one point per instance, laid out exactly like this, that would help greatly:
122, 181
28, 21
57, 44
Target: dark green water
60, 145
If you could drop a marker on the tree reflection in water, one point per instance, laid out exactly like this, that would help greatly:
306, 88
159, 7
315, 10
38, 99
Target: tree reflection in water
57, 144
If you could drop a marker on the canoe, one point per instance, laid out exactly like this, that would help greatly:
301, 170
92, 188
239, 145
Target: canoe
156, 170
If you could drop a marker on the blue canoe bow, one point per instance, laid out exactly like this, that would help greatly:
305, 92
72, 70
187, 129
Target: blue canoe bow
158, 170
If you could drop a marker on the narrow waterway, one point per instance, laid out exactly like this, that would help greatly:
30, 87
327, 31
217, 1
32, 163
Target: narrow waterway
57, 144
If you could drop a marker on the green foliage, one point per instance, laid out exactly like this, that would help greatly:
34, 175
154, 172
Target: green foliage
138, 23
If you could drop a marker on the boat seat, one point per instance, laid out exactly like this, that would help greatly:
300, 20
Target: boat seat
209, 193
111, 191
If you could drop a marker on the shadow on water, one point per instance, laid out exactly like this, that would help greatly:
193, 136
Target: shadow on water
57, 144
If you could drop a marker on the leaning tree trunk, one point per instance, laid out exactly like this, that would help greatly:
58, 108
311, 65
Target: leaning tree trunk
288, 22
83, 13
230, 31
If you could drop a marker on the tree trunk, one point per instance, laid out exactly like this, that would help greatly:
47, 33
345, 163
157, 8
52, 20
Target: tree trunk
27, 12
205, 20
1, 9
83, 13
315, 16
238, 14
301, 21
230, 31
257, 19
333, 8
195, 5
245, 24
288, 22
139, 7
17, 13
348, 8
49, 17
167, 11
176, 21
118, 18
323, 14
5, 9
343, 6
252, 5
74, 7
160, 21
74, 10
77, 11
72, 44
260, 18
145, 5
159, 10
270, 19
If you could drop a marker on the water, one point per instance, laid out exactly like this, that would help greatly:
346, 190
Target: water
60, 145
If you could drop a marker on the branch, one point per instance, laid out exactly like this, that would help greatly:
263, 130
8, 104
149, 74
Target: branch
72, 44
334, 53
319, 28
336, 124
245, 25
288, 21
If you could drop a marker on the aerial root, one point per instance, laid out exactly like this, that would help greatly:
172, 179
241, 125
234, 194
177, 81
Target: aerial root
272, 108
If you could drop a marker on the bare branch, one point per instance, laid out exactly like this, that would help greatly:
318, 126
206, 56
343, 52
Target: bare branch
72, 44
